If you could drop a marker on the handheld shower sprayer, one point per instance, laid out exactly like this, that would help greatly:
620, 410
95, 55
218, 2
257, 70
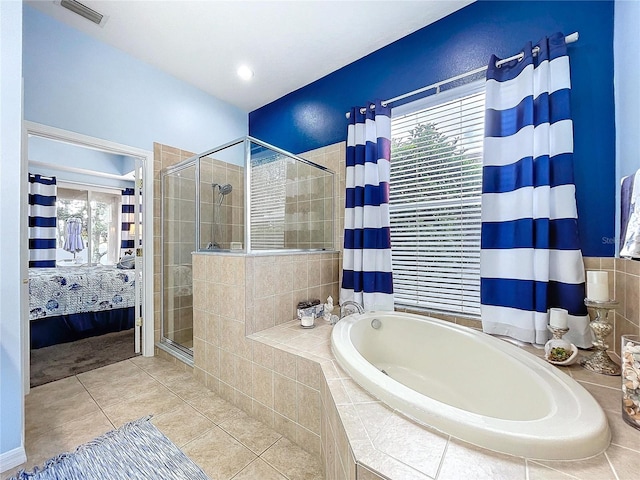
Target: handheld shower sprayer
223, 190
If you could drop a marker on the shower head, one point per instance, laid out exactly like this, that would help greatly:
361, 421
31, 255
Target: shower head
225, 189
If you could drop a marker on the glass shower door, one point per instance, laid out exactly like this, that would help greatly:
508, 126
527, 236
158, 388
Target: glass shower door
178, 241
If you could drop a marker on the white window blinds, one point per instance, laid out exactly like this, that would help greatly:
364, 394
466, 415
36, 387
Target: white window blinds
268, 197
435, 191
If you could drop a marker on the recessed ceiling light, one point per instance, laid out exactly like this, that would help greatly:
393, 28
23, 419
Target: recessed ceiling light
245, 73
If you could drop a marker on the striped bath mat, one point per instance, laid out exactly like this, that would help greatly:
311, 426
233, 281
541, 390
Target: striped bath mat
137, 450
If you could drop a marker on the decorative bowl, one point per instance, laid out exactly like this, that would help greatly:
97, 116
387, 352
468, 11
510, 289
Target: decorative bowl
559, 343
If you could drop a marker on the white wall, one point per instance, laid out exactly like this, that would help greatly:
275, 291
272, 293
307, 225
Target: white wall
11, 404
74, 82
627, 92
79, 164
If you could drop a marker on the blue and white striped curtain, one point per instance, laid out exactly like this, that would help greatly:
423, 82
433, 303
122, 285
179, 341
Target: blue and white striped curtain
128, 225
366, 275
530, 252
42, 221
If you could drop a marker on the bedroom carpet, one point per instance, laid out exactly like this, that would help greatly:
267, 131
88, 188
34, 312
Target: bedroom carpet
67, 359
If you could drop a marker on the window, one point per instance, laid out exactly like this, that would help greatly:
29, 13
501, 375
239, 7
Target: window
435, 192
97, 211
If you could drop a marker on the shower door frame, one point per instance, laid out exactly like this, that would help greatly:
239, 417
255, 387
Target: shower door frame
173, 347
246, 141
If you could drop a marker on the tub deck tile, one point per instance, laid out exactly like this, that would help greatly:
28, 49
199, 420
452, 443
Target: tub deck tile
422, 449
380, 451
463, 460
597, 467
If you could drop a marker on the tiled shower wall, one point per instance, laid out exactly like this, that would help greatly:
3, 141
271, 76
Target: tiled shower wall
230, 211
163, 157
178, 297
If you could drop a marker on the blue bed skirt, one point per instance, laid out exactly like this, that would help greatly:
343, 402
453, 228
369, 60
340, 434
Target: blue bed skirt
68, 328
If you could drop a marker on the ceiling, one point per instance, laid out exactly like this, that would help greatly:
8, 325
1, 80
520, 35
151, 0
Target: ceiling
288, 44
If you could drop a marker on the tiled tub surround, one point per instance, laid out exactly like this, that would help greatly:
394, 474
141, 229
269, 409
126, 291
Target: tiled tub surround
236, 295
363, 438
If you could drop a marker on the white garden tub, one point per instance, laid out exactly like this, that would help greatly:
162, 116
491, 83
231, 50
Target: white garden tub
470, 385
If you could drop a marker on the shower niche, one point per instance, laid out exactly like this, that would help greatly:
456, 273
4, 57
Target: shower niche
243, 198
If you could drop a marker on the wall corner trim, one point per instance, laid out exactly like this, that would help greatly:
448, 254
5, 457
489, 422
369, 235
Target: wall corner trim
12, 458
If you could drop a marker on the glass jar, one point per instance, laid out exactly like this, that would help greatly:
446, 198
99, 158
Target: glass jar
630, 359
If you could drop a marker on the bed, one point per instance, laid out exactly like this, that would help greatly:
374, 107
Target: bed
71, 303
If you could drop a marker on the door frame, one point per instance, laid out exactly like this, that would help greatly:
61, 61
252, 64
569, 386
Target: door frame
146, 158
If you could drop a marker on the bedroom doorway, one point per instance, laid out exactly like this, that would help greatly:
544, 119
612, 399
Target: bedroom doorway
103, 234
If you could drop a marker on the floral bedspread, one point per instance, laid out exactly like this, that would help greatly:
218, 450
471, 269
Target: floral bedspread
67, 290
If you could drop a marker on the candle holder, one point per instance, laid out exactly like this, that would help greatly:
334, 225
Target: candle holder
557, 332
599, 361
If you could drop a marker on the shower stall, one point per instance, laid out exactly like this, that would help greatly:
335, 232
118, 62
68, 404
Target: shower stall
243, 198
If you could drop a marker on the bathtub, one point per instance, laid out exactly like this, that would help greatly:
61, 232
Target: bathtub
470, 385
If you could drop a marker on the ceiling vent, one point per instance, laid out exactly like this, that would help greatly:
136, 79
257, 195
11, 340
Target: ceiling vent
83, 11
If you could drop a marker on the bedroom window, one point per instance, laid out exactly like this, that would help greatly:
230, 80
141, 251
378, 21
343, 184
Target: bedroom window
435, 192
98, 212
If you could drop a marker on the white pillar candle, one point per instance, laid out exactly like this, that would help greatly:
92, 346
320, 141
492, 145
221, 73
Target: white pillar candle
598, 286
558, 318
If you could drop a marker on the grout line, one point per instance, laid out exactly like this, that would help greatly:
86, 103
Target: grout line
624, 446
615, 474
562, 472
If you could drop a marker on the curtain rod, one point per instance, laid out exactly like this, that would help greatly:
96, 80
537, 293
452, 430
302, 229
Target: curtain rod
571, 38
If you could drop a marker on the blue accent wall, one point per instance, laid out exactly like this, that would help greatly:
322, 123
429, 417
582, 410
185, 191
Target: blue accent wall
314, 116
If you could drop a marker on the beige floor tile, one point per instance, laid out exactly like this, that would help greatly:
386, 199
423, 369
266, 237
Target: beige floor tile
65, 438
253, 434
159, 368
219, 454
185, 386
463, 460
625, 462
214, 408
293, 461
155, 401
540, 472
182, 424
109, 374
623, 434
584, 375
60, 410
42, 395
117, 390
259, 470
588, 469
608, 398
77, 432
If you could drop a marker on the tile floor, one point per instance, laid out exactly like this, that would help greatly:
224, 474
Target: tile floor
220, 438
